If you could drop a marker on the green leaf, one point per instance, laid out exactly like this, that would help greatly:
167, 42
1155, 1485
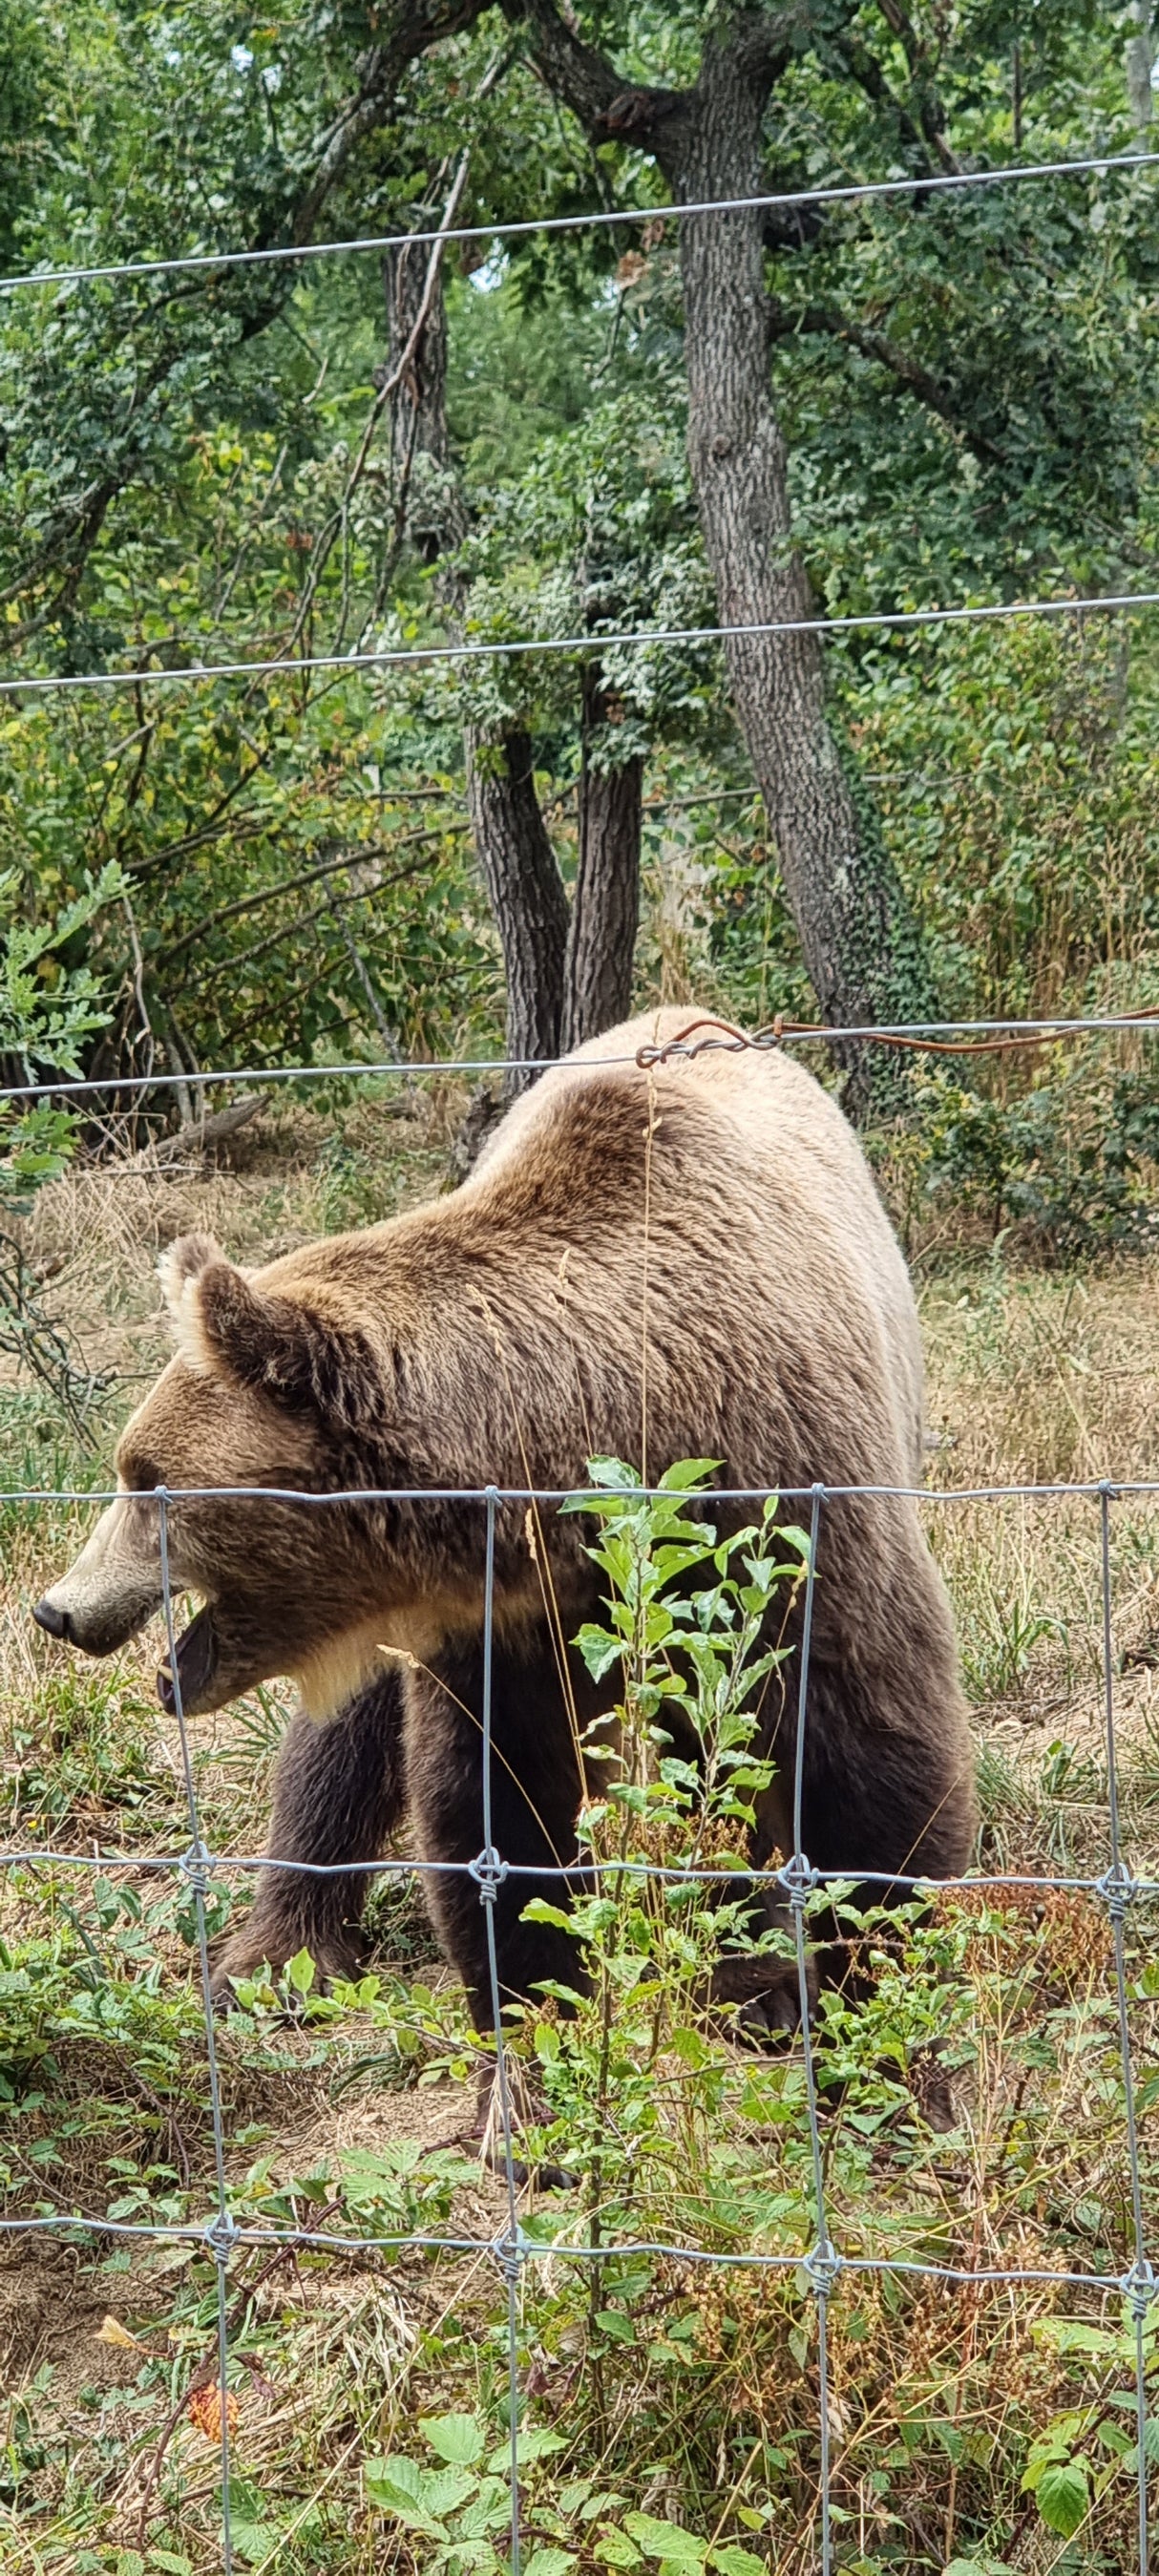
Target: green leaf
459, 2439
617, 2550
689, 1471
400, 2486
489, 2509
300, 1972
255, 2541
612, 1476
732, 2560
666, 2541
1063, 2496
599, 1650
444, 2490
535, 2443
549, 2562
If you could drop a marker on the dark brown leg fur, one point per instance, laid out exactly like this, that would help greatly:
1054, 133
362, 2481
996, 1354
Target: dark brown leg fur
338, 1795
534, 1799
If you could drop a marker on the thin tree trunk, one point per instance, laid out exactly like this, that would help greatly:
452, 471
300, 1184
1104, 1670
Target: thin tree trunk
525, 891
546, 956
427, 498
516, 859
859, 939
605, 907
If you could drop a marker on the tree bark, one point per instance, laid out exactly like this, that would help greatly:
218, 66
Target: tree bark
601, 939
567, 978
515, 857
525, 892
859, 940
428, 505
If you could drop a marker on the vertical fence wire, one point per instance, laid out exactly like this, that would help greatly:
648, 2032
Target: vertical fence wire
221, 2231
821, 2263
1139, 2284
798, 1880
491, 1870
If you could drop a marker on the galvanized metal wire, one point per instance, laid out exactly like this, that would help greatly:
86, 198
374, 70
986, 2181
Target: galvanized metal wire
600, 219
797, 1881
388, 657
934, 1036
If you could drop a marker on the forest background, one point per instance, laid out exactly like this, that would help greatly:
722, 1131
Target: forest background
877, 405
935, 397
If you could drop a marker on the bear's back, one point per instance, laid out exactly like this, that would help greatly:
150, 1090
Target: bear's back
753, 1141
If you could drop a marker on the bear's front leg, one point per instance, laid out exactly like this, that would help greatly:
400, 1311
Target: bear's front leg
534, 1802
339, 1793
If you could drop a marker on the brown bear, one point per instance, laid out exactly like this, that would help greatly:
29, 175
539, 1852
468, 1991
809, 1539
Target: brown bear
651, 1259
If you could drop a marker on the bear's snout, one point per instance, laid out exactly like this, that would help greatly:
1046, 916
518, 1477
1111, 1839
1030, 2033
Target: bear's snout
55, 1621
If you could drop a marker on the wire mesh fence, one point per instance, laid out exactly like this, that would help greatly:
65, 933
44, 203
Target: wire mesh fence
796, 1882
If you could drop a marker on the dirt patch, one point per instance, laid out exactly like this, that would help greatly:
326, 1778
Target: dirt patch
52, 2304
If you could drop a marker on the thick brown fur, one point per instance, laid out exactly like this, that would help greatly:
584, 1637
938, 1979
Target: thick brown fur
687, 1262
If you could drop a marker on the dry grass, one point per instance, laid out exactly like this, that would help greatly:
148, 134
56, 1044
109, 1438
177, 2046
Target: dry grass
1033, 1377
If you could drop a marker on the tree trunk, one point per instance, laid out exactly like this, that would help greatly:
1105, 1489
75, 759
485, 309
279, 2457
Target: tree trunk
605, 909
525, 891
861, 943
845, 896
859, 939
426, 494
516, 859
566, 980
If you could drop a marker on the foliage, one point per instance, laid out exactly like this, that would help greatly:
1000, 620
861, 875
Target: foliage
1069, 1161
197, 468
670, 2409
47, 1008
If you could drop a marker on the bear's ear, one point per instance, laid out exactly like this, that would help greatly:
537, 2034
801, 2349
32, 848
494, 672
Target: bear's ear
177, 1270
188, 1255
283, 1350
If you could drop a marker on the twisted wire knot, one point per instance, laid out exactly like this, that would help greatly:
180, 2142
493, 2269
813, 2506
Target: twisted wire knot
1118, 1890
822, 2267
221, 2235
798, 1878
510, 2252
195, 1865
488, 1872
1139, 2286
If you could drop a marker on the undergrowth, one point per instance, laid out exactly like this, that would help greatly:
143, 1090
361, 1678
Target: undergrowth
670, 2407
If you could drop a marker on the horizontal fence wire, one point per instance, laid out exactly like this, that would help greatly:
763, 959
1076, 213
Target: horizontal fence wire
401, 657
600, 219
936, 1037
823, 2266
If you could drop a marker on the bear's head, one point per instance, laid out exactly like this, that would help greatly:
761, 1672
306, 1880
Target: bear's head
267, 1390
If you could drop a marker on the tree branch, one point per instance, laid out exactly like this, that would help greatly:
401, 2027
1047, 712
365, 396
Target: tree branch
419, 24
293, 885
931, 112
588, 83
826, 321
864, 68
